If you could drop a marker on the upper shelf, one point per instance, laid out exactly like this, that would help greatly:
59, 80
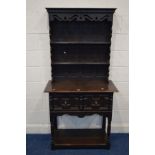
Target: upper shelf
80, 54
82, 63
80, 42
86, 33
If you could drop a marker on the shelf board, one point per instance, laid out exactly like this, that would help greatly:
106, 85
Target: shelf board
80, 63
78, 138
80, 85
80, 42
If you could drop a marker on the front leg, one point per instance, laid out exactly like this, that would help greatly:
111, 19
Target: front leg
109, 126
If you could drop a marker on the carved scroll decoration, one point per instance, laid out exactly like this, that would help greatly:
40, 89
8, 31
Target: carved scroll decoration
80, 17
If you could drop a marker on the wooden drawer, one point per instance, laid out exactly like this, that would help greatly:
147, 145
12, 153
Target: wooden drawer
64, 102
98, 102
80, 102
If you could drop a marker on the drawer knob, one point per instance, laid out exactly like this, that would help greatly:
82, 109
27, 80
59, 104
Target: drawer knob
65, 104
96, 102
107, 98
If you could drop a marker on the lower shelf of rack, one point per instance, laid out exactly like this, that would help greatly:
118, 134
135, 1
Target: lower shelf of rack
80, 138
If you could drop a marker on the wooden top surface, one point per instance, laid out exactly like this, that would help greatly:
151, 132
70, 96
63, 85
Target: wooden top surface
79, 85
88, 10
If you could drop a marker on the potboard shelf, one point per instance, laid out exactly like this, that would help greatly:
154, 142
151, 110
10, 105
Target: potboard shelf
81, 138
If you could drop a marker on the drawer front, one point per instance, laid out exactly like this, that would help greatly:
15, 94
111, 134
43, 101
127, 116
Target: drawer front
81, 102
64, 102
98, 102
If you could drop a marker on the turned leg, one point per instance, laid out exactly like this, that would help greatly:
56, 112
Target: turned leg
55, 122
109, 126
53, 128
108, 131
52, 125
103, 123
